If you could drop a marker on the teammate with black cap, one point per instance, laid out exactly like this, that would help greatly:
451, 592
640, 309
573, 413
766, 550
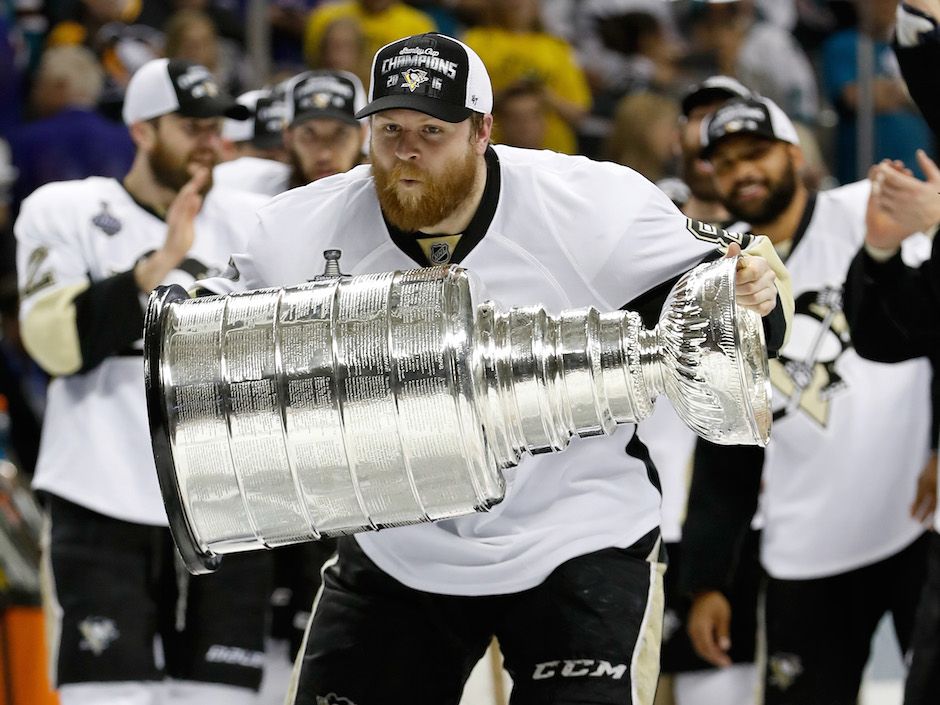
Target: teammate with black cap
567, 571
261, 134
318, 129
88, 254
703, 202
690, 679
851, 438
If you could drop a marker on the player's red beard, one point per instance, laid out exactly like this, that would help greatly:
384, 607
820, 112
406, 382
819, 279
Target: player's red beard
439, 196
171, 171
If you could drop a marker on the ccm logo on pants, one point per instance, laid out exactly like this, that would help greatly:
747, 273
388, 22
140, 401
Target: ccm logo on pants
578, 668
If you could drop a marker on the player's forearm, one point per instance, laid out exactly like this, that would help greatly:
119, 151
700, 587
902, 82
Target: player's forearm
150, 271
109, 318
885, 304
722, 502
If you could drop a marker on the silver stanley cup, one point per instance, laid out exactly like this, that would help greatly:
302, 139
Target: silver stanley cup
357, 403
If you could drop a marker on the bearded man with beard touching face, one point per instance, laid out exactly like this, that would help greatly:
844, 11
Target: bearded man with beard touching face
567, 570
89, 252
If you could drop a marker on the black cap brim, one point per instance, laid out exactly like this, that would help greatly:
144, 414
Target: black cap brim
706, 96
324, 113
269, 140
219, 106
709, 150
435, 107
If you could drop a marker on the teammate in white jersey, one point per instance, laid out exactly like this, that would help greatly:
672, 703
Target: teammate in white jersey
851, 437
565, 570
253, 149
321, 134
691, 679
89, 253
323, 137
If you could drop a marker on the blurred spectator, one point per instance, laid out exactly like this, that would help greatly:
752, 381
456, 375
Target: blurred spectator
71, 140
644, 135
23, 27
521, 114
113, 30
382, 22
343, 48
649, 54
616, 41
899, 130
287, 18
517, 51
227, 22
192, 35
763, 56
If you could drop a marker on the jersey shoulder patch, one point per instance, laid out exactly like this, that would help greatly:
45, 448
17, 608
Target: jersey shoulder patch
717, 236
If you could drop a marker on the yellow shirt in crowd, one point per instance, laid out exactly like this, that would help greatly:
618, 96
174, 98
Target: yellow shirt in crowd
511, 57
379, 28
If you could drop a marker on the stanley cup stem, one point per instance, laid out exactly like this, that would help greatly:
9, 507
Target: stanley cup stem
543, 379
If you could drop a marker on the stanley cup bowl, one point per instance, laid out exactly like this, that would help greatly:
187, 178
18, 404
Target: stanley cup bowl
714, 358
350, 404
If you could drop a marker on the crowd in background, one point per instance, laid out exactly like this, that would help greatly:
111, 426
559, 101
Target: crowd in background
601, 78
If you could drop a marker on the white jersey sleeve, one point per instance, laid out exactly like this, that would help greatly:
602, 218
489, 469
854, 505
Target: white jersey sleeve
52, 271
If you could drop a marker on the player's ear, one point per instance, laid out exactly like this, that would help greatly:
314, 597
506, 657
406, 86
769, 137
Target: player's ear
482, 138
796, 156
144, 135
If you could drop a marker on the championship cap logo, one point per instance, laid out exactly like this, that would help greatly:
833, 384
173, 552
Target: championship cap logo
414, 78
323, 94
430, 73
755, 115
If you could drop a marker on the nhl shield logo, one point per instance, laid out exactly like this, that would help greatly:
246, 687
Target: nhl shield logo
440, 253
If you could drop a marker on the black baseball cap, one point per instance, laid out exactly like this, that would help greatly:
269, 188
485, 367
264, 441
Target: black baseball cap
163, 86
268, 115
431, 73
712, 90
749, 116
323, 94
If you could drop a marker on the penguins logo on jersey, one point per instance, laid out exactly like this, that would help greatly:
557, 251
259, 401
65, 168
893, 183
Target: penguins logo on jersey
414, 78
805, 374
106, 222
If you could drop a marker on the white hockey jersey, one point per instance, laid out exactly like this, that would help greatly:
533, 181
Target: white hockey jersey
850, 436
561, 231
95, 449
266, 177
